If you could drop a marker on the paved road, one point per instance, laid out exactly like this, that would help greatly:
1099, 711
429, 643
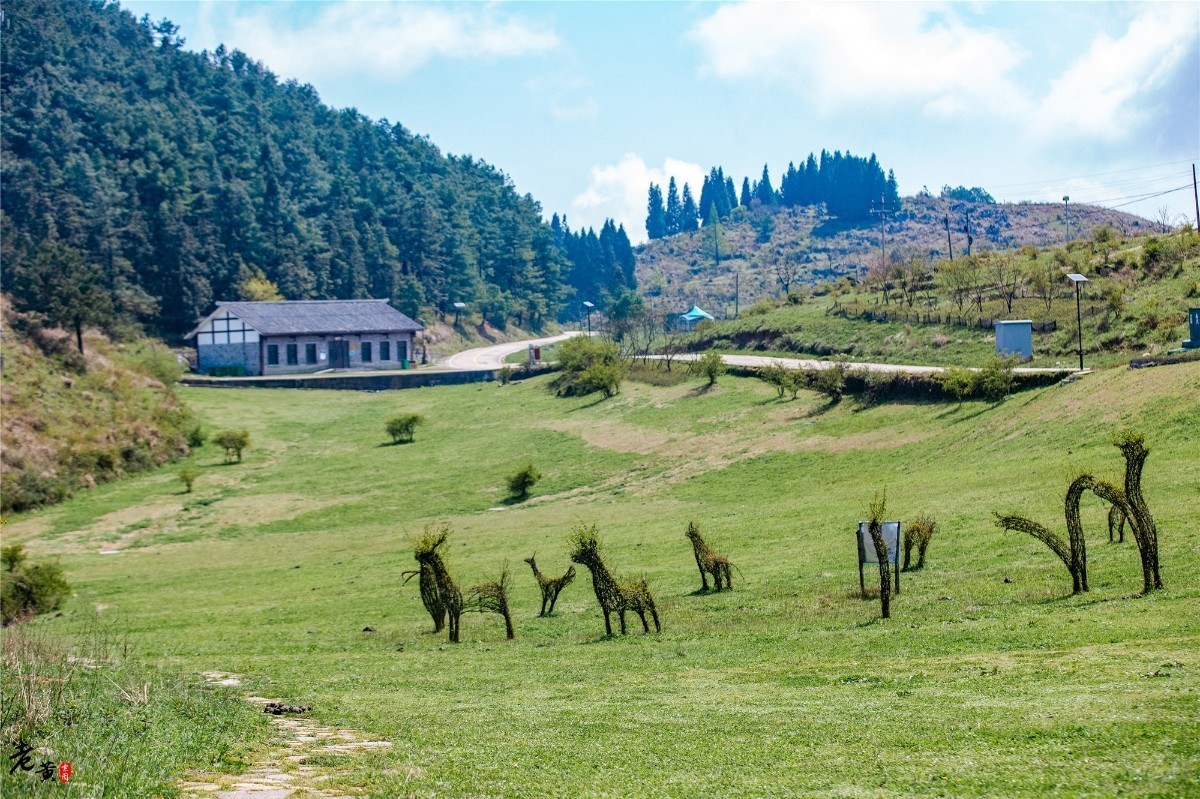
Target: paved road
493, 357
796, 363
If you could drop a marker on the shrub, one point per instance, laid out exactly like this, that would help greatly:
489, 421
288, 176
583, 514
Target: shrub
26, 590
709, 366
776, 375
196, 437
604, 377
402, 428
589, 365
233, 442
188, 476
995, 380
760, 308
958, 381
504, 374
520, 483
831, 381
918, 534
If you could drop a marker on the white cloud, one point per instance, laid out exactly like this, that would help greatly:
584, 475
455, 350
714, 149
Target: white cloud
389, 40
619, 191
1098, 97
861, 54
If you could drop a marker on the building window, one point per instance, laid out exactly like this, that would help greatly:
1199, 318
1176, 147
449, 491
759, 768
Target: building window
310, 353
385, 350
401, 350
366, 352
292, 355
272, 355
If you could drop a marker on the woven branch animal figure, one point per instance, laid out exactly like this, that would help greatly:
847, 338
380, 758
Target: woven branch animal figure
551, 586
1073, 552
1128, 501
708, 561
1116, 524
493, 598
442, 592
613, 596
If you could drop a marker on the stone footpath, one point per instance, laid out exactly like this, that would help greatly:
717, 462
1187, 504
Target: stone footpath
283, 771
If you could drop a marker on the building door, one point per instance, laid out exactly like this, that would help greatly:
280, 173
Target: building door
339, 354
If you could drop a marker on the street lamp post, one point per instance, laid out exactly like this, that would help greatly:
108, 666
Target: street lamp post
1067, 215
1078, 280
458, 306
589, 307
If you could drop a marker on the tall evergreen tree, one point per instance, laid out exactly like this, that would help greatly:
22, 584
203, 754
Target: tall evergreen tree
764, 193
746, 197
656, 214
673, 209
689, 213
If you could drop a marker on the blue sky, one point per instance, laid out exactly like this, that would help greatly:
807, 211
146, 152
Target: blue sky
584, 103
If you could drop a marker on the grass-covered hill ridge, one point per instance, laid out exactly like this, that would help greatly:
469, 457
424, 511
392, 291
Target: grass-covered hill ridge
681, 269
73, 420
990, 679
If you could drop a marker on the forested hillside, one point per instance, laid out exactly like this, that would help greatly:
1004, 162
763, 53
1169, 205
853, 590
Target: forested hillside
181, 178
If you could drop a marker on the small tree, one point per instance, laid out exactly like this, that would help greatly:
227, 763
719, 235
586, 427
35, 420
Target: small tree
504, 374
187, 476
196, 437
776, 375
520, 483
402, 428
918, 534
875, 515
233, 442
26, 590
709, 366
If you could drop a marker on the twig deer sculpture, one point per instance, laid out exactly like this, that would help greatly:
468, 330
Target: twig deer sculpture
551, 586
709, 562
441, 596
613, 596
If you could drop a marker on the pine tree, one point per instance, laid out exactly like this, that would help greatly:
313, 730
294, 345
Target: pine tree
656, 215
673, 209
689, 214
764, 193
745, 199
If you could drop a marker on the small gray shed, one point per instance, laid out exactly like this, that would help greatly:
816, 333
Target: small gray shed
1015, 337
272, 338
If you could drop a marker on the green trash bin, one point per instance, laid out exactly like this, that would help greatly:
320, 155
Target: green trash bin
404, 363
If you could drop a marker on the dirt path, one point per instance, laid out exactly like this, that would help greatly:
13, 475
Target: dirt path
284, 770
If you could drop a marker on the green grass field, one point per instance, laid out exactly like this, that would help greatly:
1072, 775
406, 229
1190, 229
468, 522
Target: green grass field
789, 685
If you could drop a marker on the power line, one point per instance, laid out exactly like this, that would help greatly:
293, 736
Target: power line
1093, 175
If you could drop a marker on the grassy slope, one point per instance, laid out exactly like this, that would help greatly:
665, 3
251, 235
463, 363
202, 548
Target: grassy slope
680, 269
786, 686
1152, 319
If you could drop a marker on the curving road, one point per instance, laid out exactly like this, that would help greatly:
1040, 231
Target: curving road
797, 363
493, 357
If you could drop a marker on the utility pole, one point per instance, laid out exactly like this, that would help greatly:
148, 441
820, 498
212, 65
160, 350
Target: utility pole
1067, 214
737, 294
967, 229
1196, 198
883, 210
949, 243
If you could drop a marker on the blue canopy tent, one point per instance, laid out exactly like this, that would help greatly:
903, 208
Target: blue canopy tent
693, 316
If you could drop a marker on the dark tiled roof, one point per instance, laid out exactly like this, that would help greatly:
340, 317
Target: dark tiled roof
321, 316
